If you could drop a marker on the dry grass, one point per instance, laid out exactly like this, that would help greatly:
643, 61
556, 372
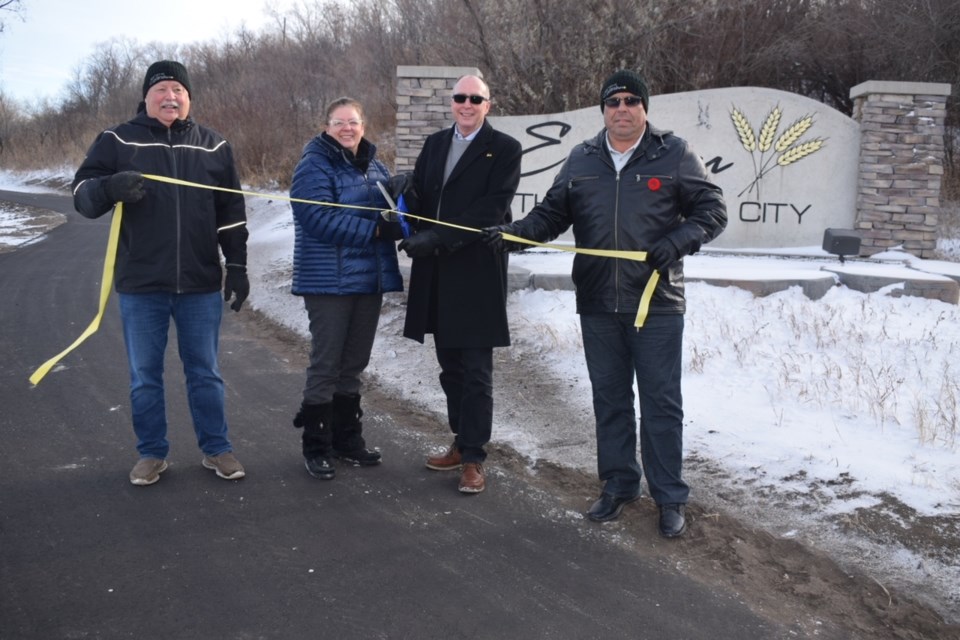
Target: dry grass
884, 358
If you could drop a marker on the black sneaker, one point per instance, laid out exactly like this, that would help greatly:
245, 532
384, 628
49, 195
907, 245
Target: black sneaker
359, 457
320, 467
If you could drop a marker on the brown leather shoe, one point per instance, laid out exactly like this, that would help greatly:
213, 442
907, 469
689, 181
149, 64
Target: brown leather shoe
471, 480
445, 462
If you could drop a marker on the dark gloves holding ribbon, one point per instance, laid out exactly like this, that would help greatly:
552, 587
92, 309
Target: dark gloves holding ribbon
662, 254
421, 245
400, 184
126, 186
236, 285
389, 230
493, 238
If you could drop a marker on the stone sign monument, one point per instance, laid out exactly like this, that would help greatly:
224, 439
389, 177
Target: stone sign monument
790, 167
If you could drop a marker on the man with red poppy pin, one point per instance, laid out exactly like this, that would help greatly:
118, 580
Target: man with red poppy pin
632, 187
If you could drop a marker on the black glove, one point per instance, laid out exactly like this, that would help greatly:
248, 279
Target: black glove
421, 245
126, 186
387, 230
236, 285
493, 238
399, 184
662, 254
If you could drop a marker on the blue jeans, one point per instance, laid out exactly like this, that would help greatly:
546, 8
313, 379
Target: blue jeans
616, 352
146, 323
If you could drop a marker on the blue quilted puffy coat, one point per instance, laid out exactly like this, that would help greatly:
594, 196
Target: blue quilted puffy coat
335, 250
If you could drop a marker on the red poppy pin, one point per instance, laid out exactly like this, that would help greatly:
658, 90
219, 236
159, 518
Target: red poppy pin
653, 184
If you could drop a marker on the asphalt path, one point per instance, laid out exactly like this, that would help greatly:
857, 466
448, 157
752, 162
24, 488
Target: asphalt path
387, 552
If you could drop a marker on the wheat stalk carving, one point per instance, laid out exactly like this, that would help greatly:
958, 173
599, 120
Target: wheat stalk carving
793, 133
744, 130
787, 145
798, 152
769, 129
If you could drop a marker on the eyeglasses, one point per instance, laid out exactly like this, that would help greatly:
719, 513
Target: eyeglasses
630, 101
340, 124
460, 98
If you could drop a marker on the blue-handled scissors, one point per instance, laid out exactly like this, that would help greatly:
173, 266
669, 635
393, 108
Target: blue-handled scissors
400, 207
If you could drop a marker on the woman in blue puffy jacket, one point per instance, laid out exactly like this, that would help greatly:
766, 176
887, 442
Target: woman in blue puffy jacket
344, 260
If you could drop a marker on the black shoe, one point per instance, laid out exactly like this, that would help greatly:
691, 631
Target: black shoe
608, 507
320, 467
359, 457
672, 520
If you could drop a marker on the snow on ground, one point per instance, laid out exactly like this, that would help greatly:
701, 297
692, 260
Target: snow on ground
812, 409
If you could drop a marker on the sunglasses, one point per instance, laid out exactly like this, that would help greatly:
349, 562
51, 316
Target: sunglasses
630, 101
460, 98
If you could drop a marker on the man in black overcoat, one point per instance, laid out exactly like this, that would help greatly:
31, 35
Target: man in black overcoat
466, 175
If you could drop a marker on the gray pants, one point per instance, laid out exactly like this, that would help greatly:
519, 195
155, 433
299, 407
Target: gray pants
342, 330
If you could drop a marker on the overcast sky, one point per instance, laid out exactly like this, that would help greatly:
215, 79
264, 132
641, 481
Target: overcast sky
39, 53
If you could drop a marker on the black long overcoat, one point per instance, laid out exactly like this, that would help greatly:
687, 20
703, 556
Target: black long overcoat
460, 295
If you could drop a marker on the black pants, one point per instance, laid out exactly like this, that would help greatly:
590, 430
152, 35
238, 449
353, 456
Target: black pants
342, 330
466, 376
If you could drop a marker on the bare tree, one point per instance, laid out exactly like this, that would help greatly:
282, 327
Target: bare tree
266, 92
105, 85
12, 7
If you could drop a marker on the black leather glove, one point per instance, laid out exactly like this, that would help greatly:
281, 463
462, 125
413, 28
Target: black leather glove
236, 285
421, 245
493, 238
126, 186
387, 230
662, 254
399, 184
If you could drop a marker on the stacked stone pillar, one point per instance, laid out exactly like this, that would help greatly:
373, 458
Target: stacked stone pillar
423, 107
901, 164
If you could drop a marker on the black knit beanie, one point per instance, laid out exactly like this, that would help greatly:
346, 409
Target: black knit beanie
166, 70
628, 81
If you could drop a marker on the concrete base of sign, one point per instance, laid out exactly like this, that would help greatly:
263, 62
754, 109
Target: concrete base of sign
762, 275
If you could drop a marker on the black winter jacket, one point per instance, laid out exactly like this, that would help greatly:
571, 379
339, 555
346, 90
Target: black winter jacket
169, 239
663, 190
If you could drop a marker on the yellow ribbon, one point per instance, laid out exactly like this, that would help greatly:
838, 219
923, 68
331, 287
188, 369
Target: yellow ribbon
106, 281
639, 256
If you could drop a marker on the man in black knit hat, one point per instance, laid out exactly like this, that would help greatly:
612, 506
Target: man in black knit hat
168, 259
633, 187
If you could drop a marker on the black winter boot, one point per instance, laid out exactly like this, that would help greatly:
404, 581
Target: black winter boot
348, 443
316, 421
